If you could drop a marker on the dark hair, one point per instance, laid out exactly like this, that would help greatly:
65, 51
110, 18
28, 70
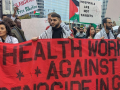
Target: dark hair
51, 13
78, 28
88, 32
7, 28
16, 20
105, 20
75, 31
119, 30
3, 16
9, 21
56, 15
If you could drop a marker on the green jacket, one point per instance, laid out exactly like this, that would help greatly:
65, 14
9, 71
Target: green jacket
18, 33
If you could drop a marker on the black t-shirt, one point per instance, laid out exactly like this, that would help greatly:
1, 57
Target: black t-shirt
108, 35
57, 32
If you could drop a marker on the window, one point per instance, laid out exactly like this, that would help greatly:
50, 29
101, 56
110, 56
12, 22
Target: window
7, 4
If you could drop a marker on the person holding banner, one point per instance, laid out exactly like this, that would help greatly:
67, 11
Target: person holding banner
5, 34
105, 33
49, 19
62, 24
90, 32
55, 31
18, 33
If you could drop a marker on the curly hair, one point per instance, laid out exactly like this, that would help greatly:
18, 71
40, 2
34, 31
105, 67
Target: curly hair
9, 21
7, 28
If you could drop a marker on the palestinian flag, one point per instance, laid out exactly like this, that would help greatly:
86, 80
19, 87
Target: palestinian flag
36, 13
74, 10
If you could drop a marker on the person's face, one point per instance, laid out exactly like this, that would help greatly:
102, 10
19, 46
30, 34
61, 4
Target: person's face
49, 18
97, 30
19, 23
3, 31
92, 31
4, 17
108, 24
55, 22
81, 30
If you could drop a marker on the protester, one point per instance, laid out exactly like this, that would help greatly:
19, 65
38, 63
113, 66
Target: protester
97, 30
63, 25
105, 33
114, 23
3, 16
18, 22
55, 31
12, 17
118, 36
49, 19
81, 33
90, 32
5, 34
15, 11
18, 33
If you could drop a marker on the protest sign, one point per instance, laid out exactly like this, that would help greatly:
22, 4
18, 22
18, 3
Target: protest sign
34, 27
60, 64
90, 11
25, 6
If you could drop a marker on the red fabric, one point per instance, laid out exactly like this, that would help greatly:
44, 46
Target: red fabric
72, 33
60, 64
34, 12
47, 27
72, 9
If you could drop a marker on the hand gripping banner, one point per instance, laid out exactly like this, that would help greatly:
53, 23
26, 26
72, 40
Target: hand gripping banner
60, 64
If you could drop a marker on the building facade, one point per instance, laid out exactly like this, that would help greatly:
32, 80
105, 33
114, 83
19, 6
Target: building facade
0, 8
59, 6
7, 7
40, 4
104, 8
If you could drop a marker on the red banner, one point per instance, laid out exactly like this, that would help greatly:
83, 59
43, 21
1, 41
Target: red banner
60, 64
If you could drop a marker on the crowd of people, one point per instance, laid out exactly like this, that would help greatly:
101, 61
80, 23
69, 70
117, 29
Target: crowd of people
11, 30
97, 33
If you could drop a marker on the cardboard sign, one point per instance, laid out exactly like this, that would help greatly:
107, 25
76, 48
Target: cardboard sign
34, 27
25, 6
60, 64
90, 11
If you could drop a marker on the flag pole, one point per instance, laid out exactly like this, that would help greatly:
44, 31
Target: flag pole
69, 14
69, 23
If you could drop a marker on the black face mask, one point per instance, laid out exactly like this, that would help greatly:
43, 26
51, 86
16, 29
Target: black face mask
108, 28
